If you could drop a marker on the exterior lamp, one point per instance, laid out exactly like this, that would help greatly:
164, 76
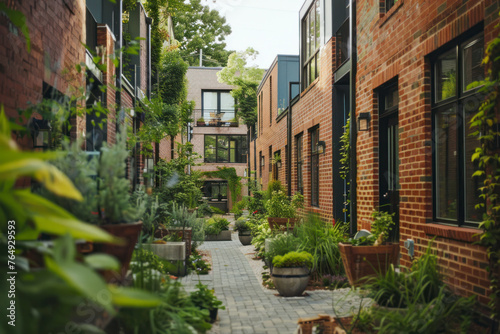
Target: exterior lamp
41, 132
364, 121
320, 147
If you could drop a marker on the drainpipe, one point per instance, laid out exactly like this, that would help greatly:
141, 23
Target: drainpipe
149, 21
289, 137
119, 70
255, 157
353, 129
249, 137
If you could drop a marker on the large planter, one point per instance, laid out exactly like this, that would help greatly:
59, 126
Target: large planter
363, 262
281, 223
123, 253
245, 238
185, 234
290, 282
222, 236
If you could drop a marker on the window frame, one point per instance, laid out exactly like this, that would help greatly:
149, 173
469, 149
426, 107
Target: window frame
314, 54
458, 102
299, 151
218, 184
238, 151
219, 99
314, 171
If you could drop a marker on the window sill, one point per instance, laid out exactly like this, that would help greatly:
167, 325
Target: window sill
304, 92
384, 17
452, 232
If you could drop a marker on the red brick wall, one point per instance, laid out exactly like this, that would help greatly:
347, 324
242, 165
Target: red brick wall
396, 44
315, 109
56, 33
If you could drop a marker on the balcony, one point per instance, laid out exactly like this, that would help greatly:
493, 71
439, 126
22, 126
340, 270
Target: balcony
343, 43
91, 26
215, 118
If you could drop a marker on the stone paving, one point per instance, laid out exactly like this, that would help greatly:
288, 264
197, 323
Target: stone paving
250, 308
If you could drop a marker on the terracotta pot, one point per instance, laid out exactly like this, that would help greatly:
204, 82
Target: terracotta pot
123, 253
281, 223
245, 238
363, 262
290, 282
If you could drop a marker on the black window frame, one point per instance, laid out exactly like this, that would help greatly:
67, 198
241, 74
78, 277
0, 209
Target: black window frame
299, 151
208, 189
219, 110
462, 99
314, 159
240, 152
307, 60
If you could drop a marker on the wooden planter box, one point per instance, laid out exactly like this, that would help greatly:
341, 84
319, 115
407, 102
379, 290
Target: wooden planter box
281, 223
362, 262
222, 236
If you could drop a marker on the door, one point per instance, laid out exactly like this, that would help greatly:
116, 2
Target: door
389, 160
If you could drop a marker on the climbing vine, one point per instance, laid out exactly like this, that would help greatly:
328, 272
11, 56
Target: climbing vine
486, 156
345, 156
233, 180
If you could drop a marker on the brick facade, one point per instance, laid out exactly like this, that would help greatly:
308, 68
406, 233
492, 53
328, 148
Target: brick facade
396, 46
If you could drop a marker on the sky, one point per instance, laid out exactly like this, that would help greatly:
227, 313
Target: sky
269, 26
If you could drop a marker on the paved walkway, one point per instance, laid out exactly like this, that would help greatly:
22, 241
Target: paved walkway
252, 309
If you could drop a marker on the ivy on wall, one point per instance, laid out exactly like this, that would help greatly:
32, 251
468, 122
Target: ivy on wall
233, 180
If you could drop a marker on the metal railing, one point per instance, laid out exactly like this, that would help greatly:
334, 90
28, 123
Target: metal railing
214, 117
91, 26
342, 43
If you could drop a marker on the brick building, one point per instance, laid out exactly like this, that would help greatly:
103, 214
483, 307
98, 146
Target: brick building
218, 136
49, 71
400, 70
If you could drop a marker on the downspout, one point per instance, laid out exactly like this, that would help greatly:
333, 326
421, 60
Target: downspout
353, 129
149, 21
249, 137
255, 156
289, 137
119, 69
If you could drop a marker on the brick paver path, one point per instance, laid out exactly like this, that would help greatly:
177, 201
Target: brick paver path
252, 309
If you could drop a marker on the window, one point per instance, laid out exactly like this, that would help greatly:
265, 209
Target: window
300, 177
389, 4
271, 158
277, 165
231, 149
215, 190
262, 163
218, 106
311, 42
314, 167
454, 104
270, 101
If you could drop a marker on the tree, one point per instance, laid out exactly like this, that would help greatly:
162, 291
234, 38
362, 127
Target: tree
172, 86
200, 28
247, 80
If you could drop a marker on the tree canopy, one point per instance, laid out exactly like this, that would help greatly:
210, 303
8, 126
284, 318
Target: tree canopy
200, 28
247, 80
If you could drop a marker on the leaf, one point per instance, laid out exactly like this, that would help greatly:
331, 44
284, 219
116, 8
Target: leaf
84, 280
102, 261
478, 173
131, 297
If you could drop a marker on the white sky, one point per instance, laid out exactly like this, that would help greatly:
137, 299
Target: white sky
269, 26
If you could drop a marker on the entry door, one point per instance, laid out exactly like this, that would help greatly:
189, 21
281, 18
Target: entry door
389, 169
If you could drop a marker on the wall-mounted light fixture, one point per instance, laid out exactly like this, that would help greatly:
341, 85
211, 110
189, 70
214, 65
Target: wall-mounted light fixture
320, 147
40, 132
364, 121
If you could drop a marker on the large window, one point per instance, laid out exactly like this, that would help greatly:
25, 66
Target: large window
215, 190
300, 177
218, 105
314, 167
311, 42
455, 101
225, 148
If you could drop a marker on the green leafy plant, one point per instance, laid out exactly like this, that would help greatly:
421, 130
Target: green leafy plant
279, 205
181, 217
282, 244
197, 264
260, 233
233, 180
381, 225
216, 225
294, 259
242, 225
204, 298
272, 187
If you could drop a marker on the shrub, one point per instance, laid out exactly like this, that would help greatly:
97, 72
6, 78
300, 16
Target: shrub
282, 244
279, 205
215, 225
260, 233
274, 186
293, 259
242, 225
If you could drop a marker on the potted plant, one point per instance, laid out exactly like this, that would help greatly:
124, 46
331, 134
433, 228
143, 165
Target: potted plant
282, 211
200, 122
205, 299
243, 227
291, 273
217, 229
370, 255
233, 122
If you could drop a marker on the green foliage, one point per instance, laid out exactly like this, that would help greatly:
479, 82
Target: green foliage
199, 27
485, 126
204, 298
282, 244
294, 259
260, 233
279, 205
144, 260
321, 239
256, 203
246, 80
239, 207
233, 180
173, 81
273, 186
150, 209
197, 264
381, 225
242, 225
181, 217
215, 225
19, 20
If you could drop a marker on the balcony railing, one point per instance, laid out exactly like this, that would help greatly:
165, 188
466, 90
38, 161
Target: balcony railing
342, 42
213, 117
91, 26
